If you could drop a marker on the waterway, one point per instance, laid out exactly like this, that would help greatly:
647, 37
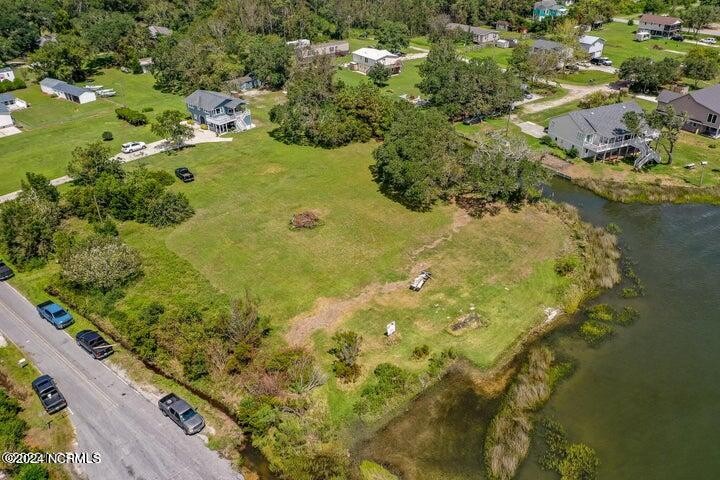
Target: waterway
648, 400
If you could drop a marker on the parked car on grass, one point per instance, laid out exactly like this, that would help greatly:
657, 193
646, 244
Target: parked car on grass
5, 271
184, 174
474, 120
601, 61
131, 147
50, 397
677, 38
709, 40
94, 344
55, 314
181, 413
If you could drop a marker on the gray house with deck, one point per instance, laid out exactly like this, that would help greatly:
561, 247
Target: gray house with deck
702, 108
221, 113
600, 133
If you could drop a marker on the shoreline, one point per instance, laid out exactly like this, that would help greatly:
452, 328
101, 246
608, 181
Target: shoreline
657, 189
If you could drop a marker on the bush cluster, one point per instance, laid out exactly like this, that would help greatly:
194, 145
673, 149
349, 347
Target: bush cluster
12, 435
16, 84
388, 381
133, 117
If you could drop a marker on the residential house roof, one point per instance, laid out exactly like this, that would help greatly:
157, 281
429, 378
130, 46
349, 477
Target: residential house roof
60, 86
374, 53
668, 96
145, 61
606, 120
542, 44
707, 97
469, 28
50, 82
207, 100
6, 97
5, 69
589, 40
660, 19
330, 43
544, 4
4, 110
156, 30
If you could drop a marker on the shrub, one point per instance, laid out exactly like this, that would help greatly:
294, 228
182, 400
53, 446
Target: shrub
387, 382
16, 84
32, 471
203, 127
148, 109
131, 116
346, 352
107, 136
548, 141
631, 22
100, 262
106, 227
421, 351
594, 332
566, 265
572, 152
305, 220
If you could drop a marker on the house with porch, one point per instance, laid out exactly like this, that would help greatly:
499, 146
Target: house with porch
563, 53
60, 89
11, 102
592, 46
480, 36
600, 133
221, 113
659, 25
363, 59
548, 9
7, 74
702, 108
337, 48
243, 84
6, 119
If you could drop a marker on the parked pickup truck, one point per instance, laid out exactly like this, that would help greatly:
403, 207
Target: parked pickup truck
48, 393
181, 413
55, 314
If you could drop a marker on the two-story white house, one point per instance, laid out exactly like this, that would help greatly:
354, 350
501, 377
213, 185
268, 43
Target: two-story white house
659, 25
7, 74
591, 45
221, 113
599, 133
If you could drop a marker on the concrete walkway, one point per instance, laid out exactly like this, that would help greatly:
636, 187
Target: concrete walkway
529, 128
201, 136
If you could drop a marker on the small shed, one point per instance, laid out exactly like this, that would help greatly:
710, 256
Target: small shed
642, 35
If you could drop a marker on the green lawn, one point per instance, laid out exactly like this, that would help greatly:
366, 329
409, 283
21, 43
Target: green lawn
620, 44
587, 77
52, 128
500, 55
403, 83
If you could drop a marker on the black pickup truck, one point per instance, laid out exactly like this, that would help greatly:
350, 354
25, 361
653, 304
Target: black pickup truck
48, 393
181, 413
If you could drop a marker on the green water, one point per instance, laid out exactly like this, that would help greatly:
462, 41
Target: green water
648, 400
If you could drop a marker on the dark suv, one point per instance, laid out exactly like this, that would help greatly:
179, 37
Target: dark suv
48, 393
5, 271
184, 174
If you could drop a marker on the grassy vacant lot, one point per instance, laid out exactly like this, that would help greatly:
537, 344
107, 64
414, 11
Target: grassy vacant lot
52, 128
45, 433
500, 267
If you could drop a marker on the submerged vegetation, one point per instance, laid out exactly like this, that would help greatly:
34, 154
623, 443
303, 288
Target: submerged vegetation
572, 461
600, 319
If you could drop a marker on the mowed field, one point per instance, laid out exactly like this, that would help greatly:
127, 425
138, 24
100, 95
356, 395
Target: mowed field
52, 128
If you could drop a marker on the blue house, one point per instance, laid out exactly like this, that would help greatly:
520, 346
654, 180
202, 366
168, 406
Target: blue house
548, 9
221, 113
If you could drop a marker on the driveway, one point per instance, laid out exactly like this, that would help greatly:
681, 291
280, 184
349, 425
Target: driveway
574, 92
133, 438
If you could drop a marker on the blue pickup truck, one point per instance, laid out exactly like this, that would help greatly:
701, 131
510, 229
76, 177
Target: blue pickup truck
55, 314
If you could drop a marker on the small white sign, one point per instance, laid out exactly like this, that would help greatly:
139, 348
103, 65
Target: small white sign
390, 329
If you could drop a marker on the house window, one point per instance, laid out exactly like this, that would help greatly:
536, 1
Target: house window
712, 118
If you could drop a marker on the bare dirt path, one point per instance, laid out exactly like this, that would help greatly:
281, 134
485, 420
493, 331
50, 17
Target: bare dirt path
574, 92
329, 312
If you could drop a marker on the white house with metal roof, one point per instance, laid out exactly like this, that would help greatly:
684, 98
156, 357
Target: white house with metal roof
365, 58
11, 102
592, 45
7, 74
6, 119
221, 113
599, 133
60, 89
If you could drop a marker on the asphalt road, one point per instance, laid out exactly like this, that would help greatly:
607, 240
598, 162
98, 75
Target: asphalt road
134, 439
